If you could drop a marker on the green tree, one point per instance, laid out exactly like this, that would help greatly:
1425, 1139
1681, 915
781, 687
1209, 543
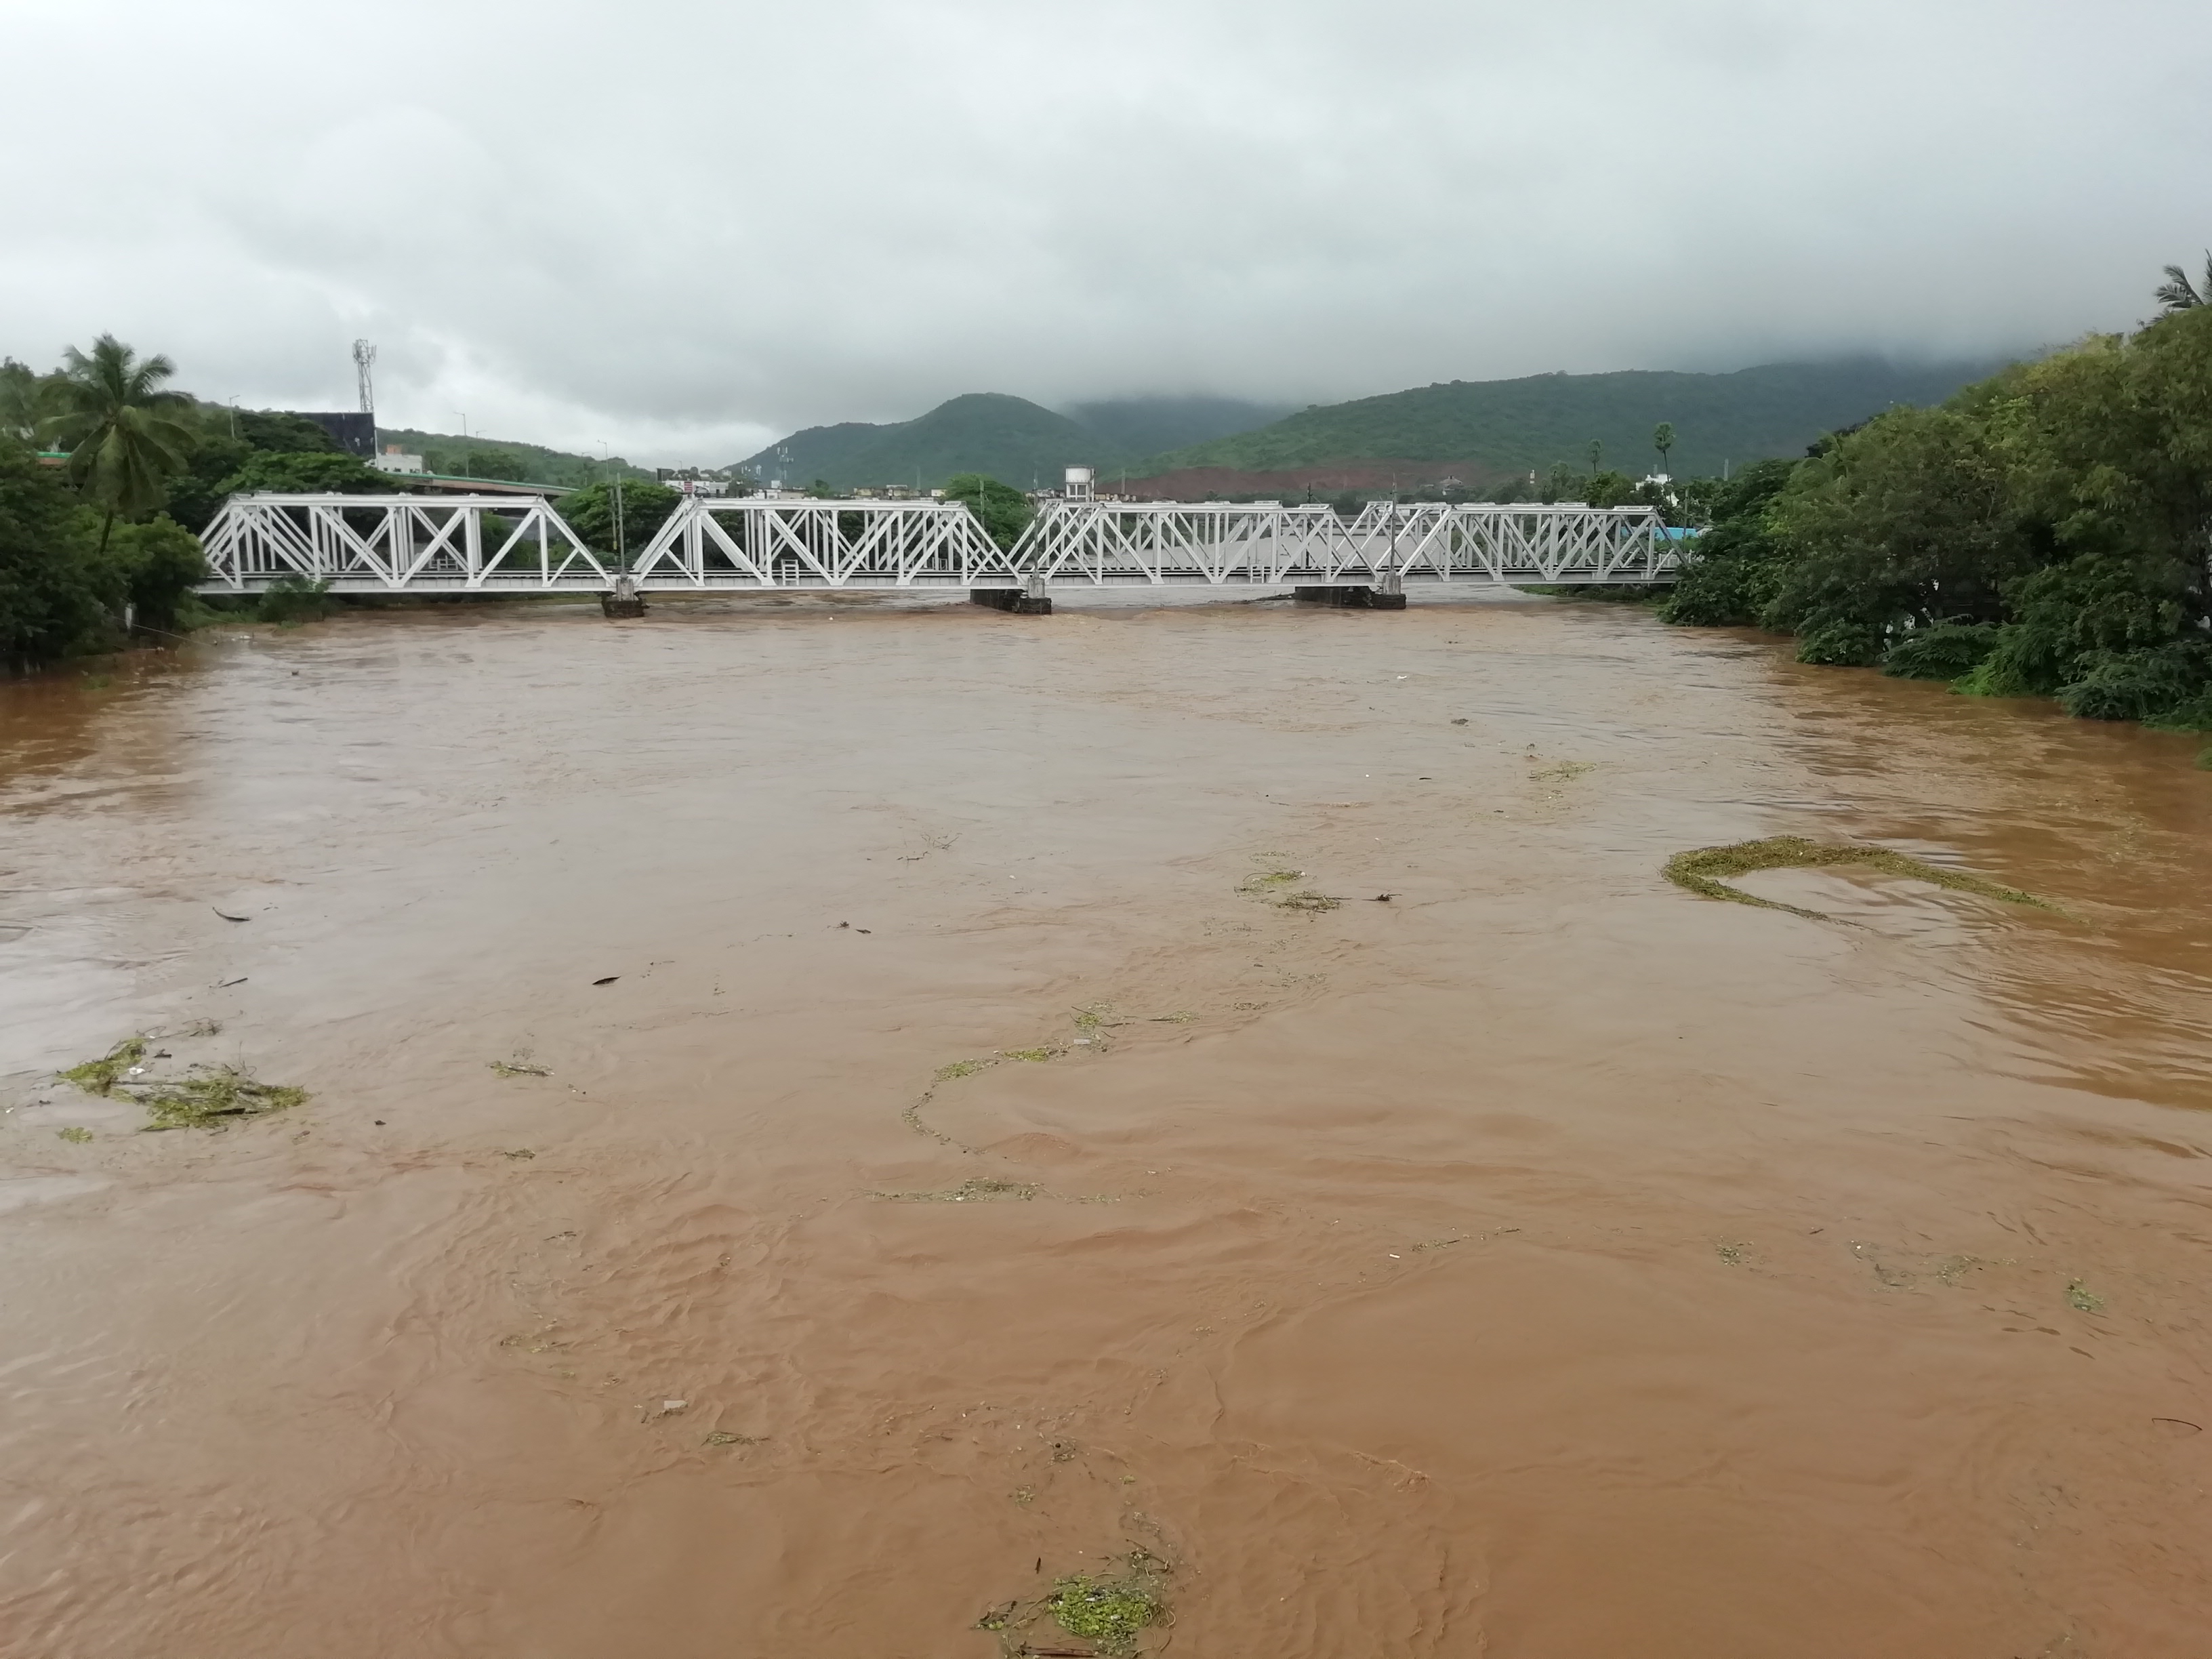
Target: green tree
644, 507
2177, 293
52, 600
120, 427
1596, 454
300, 472
1004, 511
21, 391
1663, 440
154, 566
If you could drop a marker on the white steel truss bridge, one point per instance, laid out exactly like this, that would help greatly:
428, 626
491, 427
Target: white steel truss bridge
1114, 543
510, 545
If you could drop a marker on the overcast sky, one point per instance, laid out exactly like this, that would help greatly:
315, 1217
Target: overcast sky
683, 229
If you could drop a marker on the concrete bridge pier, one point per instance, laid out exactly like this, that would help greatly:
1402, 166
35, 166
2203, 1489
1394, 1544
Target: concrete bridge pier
622, 600
1388, 594
1028, 600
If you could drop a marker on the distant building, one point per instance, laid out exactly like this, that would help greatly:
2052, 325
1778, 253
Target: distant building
353, 431
691, 481
391, 460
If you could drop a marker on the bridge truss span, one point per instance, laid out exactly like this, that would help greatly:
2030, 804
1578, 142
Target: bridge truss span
508, 543
1505, 543
396, 543
751, 542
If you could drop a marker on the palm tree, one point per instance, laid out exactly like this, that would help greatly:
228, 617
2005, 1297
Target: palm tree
113, 418
2181, 294
1597, 454
1663, 440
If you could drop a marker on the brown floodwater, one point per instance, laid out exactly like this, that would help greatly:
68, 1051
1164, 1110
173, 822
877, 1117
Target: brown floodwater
1541, 1261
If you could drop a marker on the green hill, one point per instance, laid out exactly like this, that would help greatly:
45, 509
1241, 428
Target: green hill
1496, 427
1007, 438
498, 458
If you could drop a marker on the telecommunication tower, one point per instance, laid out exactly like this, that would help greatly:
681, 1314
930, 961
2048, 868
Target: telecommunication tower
364, 359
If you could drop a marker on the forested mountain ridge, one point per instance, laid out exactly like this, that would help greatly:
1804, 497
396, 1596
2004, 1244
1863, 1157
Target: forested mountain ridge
1006, 437
1496, 427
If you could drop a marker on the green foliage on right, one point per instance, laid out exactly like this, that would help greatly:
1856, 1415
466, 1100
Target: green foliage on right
2047, 532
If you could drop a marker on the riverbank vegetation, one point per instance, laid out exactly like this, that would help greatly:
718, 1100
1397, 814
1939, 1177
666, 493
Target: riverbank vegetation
2046, 533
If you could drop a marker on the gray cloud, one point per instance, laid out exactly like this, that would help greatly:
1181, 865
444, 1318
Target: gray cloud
683, 229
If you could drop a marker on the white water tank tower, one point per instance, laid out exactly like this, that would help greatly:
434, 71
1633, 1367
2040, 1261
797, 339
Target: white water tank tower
1079, 480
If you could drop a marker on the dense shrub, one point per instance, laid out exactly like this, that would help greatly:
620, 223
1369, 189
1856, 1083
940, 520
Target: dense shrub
2154, 685
2046, 533
1731, 572
56, 599
1946, 651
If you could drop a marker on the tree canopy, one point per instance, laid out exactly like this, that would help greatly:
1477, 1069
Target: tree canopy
2045, 532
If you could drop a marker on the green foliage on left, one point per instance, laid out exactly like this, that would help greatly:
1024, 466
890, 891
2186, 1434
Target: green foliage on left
62, 593
2047, 532
123, 430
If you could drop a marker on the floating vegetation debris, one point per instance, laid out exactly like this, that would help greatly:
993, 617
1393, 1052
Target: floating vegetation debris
1562, 771
2082, 1299
1110, 1611
960, 1068
76, 1134
1275, 887
977, 1190
1035, 1056
520, 1068
100, 1077
205, 1097
1732, 1252
724, 1437
1704, 871
519, 1152
211, 1095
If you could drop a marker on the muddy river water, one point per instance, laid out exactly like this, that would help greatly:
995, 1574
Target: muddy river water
971, 1169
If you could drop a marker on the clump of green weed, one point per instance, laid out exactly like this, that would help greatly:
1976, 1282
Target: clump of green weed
518, 1068
100, 1077
1035, 1056
2082, 1299
1110, 1610
76, 1134
1702, 870
1273, 887
960, 1068
209, 1097
1111, 1613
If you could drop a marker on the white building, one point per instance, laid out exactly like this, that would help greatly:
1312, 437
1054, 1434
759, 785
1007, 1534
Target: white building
391, 460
